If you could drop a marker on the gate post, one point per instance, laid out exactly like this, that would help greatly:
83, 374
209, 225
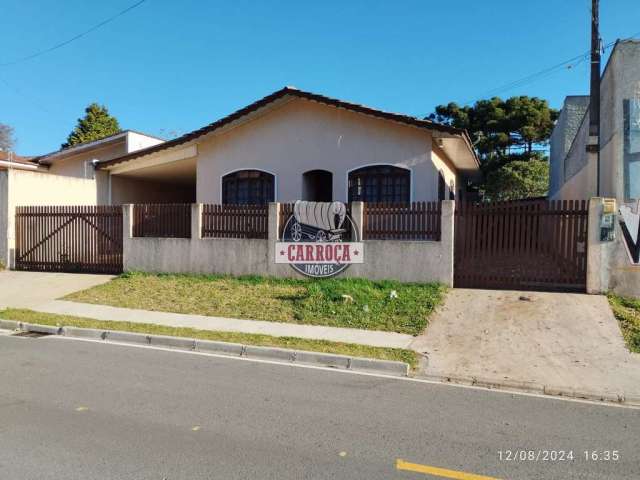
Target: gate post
127, 233
196, 221
447, 236
357, 215
598, 251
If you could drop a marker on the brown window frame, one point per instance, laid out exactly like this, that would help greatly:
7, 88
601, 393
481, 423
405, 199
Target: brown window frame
379, 184
248, 187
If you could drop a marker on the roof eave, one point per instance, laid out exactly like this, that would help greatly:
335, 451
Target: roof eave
293, 92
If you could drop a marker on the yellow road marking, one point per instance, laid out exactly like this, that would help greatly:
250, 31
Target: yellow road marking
439, 472
196, 428
82, 409
343, 454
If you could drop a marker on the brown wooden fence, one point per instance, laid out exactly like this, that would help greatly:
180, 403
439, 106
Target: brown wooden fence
162, 220
402, 221
235, 221
535, 244
286, 210
84, 239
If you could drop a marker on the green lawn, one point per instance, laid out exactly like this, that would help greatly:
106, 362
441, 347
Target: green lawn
627, 311
398, 354
316, 302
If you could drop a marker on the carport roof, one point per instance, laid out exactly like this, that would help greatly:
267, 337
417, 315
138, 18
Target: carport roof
294, 92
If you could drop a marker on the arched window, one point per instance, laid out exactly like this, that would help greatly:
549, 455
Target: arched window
248, 187
380, 183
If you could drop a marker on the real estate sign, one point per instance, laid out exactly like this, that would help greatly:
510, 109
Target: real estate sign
319, 239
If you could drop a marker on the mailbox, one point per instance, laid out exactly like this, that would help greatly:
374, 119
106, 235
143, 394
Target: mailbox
608, 220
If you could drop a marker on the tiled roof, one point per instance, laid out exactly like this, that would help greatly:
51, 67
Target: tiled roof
293, 92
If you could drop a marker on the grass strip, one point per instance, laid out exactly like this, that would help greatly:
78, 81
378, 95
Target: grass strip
351, 349
627, 311
345, 302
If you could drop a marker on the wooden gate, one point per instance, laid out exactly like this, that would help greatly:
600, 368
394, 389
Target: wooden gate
84, 239
528, 245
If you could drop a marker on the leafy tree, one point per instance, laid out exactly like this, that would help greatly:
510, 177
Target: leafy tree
97, 123
7, 140
518, 179
503, 131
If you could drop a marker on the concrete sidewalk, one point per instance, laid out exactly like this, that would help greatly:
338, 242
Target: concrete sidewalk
349, 335
27, 289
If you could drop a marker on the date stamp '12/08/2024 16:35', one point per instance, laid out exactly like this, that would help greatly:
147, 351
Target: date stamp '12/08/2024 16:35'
522, 455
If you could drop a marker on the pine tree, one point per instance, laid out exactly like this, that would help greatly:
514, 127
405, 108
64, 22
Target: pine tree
96, 124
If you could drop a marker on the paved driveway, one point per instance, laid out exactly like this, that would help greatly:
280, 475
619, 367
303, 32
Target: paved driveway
30, 289
554, 339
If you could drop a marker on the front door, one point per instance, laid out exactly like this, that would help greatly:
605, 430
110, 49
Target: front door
317, 186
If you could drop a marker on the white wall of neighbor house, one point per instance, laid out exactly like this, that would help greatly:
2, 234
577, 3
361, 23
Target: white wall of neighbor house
137, 141
409, 261
302, 135
80, 166
28, 188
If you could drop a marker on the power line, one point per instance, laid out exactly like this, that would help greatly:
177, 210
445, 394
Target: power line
72, 39
31, 100
567, 64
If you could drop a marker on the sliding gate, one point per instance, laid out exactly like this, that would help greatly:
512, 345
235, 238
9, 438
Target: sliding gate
529, 245
84, 239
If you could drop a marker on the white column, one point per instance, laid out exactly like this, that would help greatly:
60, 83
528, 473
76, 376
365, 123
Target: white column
357, 215
196, 221
447, 236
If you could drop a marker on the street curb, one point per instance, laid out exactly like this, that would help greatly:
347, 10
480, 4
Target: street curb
283, 355
533, 387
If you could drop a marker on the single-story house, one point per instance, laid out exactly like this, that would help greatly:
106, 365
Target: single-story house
287, 146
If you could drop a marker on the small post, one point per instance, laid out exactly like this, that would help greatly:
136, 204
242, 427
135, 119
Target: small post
357, 216
273, 227
594, 247
127, 220
196, 221
447, 235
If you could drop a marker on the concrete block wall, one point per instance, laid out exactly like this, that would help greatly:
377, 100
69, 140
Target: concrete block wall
409, 261
609, 267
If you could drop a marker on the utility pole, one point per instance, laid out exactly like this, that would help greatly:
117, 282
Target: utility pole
593, 147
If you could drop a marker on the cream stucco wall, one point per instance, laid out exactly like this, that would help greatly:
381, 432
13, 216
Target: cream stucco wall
19, 188
302, 135
444, 166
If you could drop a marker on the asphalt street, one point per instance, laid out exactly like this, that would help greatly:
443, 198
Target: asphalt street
72, 409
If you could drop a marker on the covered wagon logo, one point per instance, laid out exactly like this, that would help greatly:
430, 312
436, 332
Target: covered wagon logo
314, 239
630, 223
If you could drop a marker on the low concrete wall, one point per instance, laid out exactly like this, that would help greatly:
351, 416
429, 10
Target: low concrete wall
609, 267
184, 255
407, 261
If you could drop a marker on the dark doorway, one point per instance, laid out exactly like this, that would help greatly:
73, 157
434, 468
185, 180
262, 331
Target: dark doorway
317, 186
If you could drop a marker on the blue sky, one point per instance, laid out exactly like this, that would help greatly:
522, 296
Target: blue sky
173, 66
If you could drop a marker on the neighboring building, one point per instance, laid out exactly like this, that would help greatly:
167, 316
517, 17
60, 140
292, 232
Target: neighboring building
65, 177
573, 171
295, 145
